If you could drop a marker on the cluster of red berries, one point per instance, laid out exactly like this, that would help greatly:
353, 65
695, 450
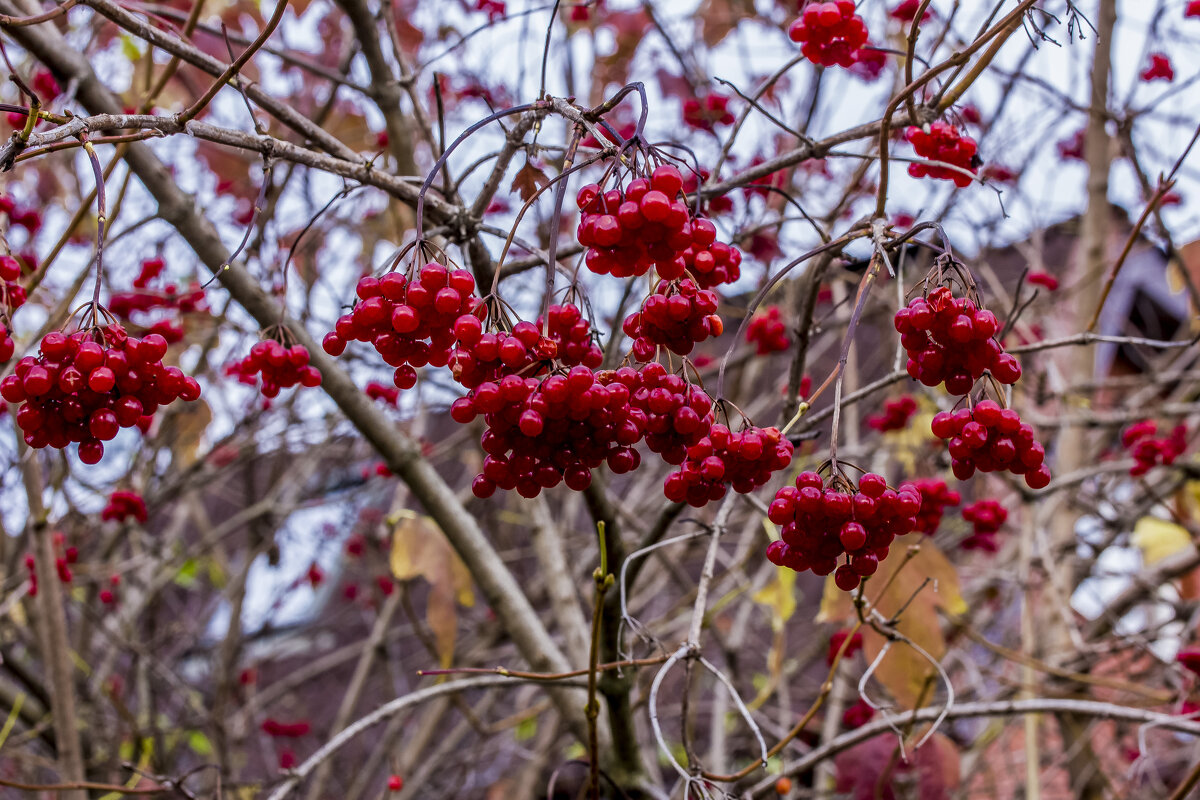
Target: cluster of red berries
746, 460
950, 340
123, 504
1139, 439
829, 33
410, 320
822, 523
705, 113
479, 357
185, 301
869, 63
677, 414
895, 416
1160, 69
1193, 9
989, 438
647, 224
542, 433
767, 332
280, 367
677, 316
936, 497
943, 142
986, 518
86, 386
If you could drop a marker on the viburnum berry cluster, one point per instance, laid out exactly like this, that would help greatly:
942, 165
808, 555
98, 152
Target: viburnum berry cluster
64, 556
895, 416
542, 433
677, 316
936, 497
1148, 451
835, 644
989, 438
745, 459
823, 521
86, 386
950, 340
677, 414
767, 332
478, 356
409, 319
986, 518
123, 504
829, 33
279, 367
943, 142
647, 224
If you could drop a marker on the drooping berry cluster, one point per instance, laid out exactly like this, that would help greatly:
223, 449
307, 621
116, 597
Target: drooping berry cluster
677, 414
906, 11
677, 316
389, 395
409, 319
480, 357
821, 523
829, 33
895, 416
542, 433
989, 438
64, 556
86, 386
949, 339
936, 497
986, 518
705, 113
647, 224
151, 269
835, 644
767, 331
123, 504
943, 142
746, 460
1148, 451
279, 367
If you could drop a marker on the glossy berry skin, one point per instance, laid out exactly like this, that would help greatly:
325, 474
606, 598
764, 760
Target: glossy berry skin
822, 522
479, 357
950, 340
829, 33
81, 388
746, 460
943, 142
677, 316
991, 439
936, 497
647, 224
409, 318
395, 783
279, 367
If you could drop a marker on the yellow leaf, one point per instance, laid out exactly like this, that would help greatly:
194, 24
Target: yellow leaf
421, 550
903, 670
779, 595
1159, 539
